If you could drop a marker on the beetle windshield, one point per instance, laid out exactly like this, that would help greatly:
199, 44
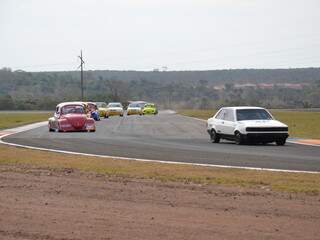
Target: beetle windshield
149, 106
253, 114
72, 109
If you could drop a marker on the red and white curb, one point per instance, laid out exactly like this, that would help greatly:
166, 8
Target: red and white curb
12, 131
307, 142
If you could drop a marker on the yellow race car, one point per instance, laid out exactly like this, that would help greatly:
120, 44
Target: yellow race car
150, 108
102, 108
114, 109
134, 108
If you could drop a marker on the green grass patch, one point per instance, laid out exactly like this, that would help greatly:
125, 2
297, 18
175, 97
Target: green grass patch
289, 182
301, 124
14, 119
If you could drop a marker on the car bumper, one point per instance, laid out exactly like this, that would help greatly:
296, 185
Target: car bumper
102, 113
78, 129
114, 113
148, 112
265, 137
72, 129
133, 112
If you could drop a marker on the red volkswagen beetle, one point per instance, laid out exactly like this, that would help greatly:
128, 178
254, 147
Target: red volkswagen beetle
71, 116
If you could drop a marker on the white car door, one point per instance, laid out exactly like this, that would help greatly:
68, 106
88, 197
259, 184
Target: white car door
219, 122
228, 124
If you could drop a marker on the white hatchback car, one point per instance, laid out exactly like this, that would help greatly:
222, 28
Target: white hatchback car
246, 124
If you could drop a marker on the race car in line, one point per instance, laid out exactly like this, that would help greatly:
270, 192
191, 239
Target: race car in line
71, 116
114, 109
149, 108
246, 125
134, 108
102, 109
92, 108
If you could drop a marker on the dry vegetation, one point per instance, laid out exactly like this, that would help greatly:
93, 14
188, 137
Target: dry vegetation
13, 119
292, 182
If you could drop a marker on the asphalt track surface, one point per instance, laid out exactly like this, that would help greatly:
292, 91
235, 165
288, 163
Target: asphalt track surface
170, 137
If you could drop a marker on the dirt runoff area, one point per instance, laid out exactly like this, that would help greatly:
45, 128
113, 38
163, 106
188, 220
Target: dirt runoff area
44, 204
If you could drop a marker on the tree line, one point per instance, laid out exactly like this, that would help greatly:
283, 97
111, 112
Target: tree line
20, 90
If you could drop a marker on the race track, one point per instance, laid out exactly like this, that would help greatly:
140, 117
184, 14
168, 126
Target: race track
170, 137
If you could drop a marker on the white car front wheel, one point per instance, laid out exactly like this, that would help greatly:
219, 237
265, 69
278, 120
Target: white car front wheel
239, 138
214, 137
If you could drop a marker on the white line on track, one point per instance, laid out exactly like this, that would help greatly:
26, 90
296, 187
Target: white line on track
12, 131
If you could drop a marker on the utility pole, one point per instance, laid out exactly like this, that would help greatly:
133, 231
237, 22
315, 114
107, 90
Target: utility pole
81, 67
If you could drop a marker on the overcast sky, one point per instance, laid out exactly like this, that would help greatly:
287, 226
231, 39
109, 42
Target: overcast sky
40, 35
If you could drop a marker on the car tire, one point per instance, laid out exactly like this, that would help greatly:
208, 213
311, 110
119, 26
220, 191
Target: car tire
238, 138
214, 136
50, 129
281, 142
58, 128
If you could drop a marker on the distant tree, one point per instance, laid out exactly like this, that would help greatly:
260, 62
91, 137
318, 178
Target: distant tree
228, 87
6, 102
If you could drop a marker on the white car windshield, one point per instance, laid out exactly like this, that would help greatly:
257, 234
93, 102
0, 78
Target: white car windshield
114, 105
252, 114
134, 105
72, 109
101, 105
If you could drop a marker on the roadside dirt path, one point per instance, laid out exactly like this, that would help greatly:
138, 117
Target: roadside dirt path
42, 204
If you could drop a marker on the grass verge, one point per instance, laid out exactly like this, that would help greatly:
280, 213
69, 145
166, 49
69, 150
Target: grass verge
301, 124
14, 119
289, 182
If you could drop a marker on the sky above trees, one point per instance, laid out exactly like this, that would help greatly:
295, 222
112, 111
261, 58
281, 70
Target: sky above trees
40, 35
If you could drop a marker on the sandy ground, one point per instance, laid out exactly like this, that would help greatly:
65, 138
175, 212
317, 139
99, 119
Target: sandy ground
42, 204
